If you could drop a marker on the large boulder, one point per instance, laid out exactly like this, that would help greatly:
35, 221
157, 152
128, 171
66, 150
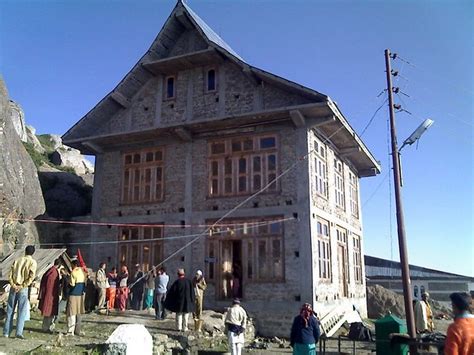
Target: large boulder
33, 139
72, 158
18, 120
66, 194
20, 192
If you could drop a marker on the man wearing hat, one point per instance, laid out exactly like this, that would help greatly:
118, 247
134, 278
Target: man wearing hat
235, 323
423, 315
180, 299
199, 285
460, 335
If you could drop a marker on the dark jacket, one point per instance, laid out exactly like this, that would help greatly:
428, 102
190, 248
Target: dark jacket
304, 335
180, 297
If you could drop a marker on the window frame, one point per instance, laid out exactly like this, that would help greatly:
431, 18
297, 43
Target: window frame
320, 159
141, 167
165, 91
323, 233
357, 259
264, 154
339, 184
206, 81
140, 243
252, 239
354, 195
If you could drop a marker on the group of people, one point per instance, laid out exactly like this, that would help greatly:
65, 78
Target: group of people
62, 290
460, 334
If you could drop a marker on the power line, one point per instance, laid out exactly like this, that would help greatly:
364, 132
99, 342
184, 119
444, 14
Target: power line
372, 118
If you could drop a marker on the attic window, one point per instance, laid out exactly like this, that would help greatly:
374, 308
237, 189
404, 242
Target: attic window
170, 87
211, 80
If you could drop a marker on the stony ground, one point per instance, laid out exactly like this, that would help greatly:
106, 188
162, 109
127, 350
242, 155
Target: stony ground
97, 328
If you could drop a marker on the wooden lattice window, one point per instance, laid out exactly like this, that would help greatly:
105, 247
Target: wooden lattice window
339, 184
240, 166
142, 178
324, 250
140, 245
354, 195
356, 247
320, 169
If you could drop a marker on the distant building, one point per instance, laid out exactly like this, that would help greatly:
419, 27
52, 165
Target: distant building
438, 284
192, 131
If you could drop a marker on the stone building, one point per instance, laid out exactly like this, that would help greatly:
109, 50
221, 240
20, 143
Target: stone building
192, 131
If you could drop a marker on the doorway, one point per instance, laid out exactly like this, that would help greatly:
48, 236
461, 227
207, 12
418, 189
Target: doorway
231, 274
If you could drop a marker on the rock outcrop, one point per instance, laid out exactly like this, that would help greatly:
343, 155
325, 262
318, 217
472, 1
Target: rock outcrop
20, 192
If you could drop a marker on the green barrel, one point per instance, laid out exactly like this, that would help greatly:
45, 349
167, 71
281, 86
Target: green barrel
383, 328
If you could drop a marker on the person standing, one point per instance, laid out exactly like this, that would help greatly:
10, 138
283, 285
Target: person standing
460, 335
235, 323
161, 288
122, 290
75, 303
112, 278
199, 285
423, 315
101, 283
22, 273
137, 286
49, 296
180, 299
305, 332
149, 289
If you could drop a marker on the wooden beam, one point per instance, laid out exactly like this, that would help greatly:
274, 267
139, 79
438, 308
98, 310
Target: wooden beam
184, 134
298, 118
349, 150
95, 147
183, 19
120, 99
322, 121
368, 172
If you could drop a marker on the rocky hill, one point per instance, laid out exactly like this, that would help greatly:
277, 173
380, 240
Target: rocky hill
20, 191
39, 176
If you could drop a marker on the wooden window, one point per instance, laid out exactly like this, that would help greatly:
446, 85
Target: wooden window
240, 166
211, 80
140, 245
339, 184
262, 245
320, 168
170, 87
324, 250
354, 195
142, 178
357, 258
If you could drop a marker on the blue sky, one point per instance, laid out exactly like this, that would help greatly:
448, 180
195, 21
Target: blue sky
59, 58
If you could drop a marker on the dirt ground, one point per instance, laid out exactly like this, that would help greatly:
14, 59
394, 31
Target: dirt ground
97, 328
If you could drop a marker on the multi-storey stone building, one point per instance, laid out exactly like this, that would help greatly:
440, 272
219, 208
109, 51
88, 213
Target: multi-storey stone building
192, 131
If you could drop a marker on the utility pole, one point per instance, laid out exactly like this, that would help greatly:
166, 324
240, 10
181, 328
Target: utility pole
402, 245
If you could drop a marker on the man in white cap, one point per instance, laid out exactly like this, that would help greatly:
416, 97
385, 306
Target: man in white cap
235, 323
199, 285
423, 315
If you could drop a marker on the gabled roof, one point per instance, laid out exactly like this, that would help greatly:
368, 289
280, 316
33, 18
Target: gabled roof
180, 18
209, 33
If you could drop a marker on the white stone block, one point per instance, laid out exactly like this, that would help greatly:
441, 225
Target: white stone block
135, 336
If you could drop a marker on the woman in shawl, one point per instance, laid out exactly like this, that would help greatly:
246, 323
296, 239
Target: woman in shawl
122, 289
305, 332
49, 296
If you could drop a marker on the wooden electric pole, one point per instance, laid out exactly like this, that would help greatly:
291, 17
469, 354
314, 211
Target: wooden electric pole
402, 245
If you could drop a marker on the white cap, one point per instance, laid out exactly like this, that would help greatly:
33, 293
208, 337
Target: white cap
199, 272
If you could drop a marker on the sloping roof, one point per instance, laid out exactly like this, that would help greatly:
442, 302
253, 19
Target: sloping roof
44, 258
139, 75
209, 33
375, 267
